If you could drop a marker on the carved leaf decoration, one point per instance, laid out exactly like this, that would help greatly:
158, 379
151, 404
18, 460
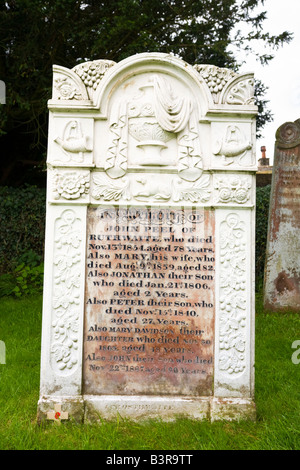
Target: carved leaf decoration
66, 297
232, 295
239, 302
224, 362
149, 131
199, 191
73, 280
231, 362
234, 324
109, 191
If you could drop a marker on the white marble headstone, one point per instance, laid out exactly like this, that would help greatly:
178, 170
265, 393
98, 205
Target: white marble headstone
149, 264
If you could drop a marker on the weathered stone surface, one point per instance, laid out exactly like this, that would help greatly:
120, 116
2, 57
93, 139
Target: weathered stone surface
282, 271
150, 308
143, 407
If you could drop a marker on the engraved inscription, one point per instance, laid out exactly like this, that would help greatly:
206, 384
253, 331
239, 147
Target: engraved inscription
288, 194
149, 313
282, 265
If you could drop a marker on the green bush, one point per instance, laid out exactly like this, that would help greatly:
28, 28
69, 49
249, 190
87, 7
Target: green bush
22, 226
26, 278
22, 233
262, 216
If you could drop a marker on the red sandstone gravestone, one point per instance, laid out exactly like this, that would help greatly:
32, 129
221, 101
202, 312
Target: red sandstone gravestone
282, 271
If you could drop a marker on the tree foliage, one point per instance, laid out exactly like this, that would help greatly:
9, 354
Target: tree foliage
35, 34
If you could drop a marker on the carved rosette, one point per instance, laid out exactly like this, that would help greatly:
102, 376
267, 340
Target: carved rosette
232, 338
234, 189
67, 90
67, 86
66, 293
71, 185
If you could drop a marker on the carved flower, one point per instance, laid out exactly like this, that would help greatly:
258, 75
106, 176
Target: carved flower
67, 90
225, 195
241, 195
71, 185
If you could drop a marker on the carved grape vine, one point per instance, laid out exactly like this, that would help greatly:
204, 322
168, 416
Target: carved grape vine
67, 279
232, 295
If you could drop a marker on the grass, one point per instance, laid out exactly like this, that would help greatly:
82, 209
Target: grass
276, 396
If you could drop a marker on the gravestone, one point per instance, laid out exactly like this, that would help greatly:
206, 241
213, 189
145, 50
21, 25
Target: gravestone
149, 262
2, 353
2, 92
282, 271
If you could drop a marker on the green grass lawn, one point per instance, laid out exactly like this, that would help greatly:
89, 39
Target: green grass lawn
277, 397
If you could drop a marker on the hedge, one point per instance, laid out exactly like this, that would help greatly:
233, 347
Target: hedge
261, 232
22, 232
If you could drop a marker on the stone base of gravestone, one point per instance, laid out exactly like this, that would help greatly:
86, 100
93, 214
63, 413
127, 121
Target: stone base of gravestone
141, 408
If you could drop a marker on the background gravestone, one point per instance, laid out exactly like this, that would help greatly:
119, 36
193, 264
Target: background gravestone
149, 266
282, 270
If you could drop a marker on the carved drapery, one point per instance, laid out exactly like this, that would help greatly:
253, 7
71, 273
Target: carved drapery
153, 118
